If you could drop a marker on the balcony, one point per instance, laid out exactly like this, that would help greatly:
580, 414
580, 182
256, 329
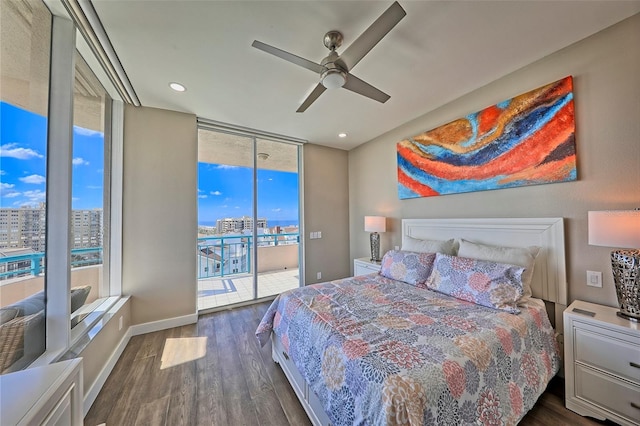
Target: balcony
23, 275
225, 267
225, 273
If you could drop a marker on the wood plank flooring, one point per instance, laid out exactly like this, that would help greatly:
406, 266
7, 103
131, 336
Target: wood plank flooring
235, 382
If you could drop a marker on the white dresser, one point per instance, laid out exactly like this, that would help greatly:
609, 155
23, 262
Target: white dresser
364, 265
602, 363
49, 395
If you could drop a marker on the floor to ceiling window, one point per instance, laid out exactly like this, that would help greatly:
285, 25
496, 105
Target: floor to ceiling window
248, 217
89, 189
25, 30
54, 184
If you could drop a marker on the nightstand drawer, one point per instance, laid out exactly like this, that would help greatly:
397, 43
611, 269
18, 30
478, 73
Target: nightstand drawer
609, 352
617, 396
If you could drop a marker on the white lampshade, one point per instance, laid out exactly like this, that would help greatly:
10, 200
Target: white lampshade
615, 228
375, 224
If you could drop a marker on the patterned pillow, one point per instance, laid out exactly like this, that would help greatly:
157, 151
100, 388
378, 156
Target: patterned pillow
407, 266
491, 284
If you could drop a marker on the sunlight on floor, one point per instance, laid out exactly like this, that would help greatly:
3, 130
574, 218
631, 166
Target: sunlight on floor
183, 349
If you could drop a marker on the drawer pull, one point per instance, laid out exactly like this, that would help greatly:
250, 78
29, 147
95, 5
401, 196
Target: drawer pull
634, 405
633, 364
284, 354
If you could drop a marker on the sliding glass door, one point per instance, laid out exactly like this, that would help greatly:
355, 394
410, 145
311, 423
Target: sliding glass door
248, 218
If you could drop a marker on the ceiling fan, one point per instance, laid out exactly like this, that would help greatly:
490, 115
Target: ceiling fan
335, 69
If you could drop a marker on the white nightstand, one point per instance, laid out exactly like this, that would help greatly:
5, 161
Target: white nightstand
602, 363
364, 265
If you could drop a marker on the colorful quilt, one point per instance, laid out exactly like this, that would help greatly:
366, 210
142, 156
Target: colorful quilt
378, 351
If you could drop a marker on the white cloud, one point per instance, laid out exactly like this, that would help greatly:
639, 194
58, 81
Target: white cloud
86, 132
79, 161
226, 166
216, 193
36, 196
2, 173
7, 191
276, 210
94, 187
202, 196
34, 179
12, 150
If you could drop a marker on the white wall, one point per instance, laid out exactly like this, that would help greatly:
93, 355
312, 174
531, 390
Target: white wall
606, 71
159, 213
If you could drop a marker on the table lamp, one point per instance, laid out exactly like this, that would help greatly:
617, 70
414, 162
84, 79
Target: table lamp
375, 224
621, 229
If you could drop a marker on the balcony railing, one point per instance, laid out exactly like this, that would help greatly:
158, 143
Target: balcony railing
231, 255
32, 264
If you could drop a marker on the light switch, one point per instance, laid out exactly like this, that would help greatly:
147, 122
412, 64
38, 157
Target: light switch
318, 234
594, 279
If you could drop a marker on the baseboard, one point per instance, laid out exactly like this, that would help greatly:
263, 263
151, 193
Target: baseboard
150, 327
90, 395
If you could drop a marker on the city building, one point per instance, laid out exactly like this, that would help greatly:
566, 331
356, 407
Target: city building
25, 228
232, 225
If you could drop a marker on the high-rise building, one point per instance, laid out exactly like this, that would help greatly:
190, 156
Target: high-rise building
236, 225
86, 228
25, 227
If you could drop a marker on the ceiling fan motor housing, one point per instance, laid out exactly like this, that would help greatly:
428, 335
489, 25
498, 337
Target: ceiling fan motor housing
334, 75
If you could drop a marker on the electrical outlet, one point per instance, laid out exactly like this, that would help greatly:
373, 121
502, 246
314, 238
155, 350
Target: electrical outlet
396, 248
319, 275
594, 279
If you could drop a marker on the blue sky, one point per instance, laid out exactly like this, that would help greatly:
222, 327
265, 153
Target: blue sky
223, 191
226, 191
23, 151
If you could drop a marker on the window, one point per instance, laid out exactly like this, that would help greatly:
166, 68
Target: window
36, 224
90, 184
25, 30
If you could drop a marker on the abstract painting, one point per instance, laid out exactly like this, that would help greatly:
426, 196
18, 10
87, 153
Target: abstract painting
526, 140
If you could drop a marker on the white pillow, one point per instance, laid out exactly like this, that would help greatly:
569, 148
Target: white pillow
429, 246
520, 256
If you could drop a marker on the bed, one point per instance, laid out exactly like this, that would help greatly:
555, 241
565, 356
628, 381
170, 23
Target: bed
400, 348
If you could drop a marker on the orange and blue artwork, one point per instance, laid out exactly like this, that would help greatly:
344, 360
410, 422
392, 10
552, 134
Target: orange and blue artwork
526, 140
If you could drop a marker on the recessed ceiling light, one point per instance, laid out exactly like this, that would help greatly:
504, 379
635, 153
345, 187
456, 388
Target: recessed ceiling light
342, 135
177, 87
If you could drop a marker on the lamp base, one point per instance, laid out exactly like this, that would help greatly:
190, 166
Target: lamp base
375, 247
625, 265
627, 317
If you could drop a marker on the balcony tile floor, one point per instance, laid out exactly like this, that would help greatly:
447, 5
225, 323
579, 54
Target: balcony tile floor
221, 291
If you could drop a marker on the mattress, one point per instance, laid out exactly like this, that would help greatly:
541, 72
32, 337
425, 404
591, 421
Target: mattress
378, 351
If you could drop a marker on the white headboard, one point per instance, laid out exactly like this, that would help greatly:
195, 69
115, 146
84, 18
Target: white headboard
549, 276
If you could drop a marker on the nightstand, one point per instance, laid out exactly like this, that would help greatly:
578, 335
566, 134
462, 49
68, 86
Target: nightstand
602, 363
364, 265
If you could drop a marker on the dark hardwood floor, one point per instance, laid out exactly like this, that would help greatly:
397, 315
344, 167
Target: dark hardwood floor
234, 382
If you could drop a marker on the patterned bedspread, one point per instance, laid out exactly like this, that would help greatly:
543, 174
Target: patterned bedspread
378, 351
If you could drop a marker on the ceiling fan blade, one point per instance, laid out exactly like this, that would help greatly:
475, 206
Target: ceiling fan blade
317, 91
372, 35
304, 63
365, 89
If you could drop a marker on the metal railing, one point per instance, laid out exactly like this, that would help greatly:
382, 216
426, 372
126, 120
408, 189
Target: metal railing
33, 264
231, 255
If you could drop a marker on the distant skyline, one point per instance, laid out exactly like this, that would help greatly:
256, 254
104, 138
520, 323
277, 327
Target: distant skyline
227, 191
23, 162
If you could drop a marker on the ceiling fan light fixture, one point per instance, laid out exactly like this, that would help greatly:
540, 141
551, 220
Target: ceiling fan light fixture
334, 79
